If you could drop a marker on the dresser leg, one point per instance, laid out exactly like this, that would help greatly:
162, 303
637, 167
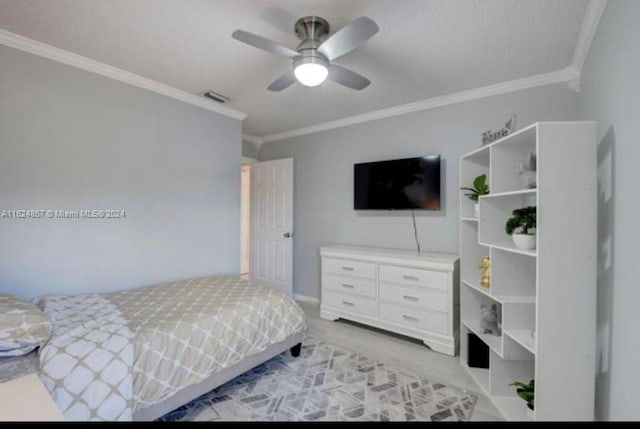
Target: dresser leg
295, 350
447, 350
327, 315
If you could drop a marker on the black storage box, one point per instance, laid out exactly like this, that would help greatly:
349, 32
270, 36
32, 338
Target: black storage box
478, 352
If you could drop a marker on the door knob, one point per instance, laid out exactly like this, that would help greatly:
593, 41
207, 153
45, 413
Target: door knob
288, 234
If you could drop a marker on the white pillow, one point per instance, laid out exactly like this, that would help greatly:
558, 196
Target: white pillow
23, 326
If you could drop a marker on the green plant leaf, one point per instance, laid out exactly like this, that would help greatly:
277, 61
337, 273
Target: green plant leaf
524, 218
480, 182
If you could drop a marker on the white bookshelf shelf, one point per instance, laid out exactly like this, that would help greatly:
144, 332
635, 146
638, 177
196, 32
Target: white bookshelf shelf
554, 295
493, 341
502, 299
522, 337
510, 247
510, 193
515, 299
477, 288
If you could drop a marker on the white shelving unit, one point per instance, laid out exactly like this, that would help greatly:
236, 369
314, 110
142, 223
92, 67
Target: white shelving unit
551, 289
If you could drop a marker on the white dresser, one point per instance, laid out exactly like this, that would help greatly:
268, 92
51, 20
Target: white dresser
414, 294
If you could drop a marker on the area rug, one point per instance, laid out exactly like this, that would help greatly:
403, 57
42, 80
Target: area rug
328, 383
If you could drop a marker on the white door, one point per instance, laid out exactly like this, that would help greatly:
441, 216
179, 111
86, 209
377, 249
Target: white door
272, 223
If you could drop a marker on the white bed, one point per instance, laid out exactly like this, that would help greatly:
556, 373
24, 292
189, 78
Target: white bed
139, 354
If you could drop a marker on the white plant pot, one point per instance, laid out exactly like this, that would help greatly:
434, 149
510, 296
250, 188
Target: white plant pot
524, 241
476, 210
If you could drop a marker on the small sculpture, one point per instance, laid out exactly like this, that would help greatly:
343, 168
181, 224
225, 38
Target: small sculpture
485, 264
527, 170
489, 319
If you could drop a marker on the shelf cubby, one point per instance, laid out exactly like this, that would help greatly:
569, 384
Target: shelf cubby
480, 375
472, 251
519, 322
503, 373
475, 164
471, 315
513, 350
513, 276
494, 213
507, 154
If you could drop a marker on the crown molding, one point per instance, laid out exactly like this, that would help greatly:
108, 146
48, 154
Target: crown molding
257, 141
40, 49
569, 76
592, 17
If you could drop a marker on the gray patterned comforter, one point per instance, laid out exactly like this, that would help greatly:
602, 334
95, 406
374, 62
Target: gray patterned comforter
113, 354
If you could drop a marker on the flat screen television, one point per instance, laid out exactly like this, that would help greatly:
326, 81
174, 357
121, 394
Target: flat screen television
399, 184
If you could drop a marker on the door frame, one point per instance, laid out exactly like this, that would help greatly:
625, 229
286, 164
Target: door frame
246, 161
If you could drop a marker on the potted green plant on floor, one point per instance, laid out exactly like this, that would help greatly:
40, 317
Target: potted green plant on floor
526, 392
521, 226
480, 187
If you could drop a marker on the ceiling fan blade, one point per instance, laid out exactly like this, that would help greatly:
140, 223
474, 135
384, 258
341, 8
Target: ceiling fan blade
264, 44
283, 82
348, 78
348, 38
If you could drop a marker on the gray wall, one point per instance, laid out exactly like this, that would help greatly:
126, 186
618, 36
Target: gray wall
323, 173
71, 140
249, 149
610, 94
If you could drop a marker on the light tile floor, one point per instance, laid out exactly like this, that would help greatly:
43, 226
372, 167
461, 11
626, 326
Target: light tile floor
401, 352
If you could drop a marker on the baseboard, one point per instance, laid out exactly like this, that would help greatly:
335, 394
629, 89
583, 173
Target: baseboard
305, 298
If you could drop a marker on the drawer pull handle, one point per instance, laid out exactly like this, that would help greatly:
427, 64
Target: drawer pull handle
348, 268
411, 298
347, 285
412, 278
409, 318
350, 304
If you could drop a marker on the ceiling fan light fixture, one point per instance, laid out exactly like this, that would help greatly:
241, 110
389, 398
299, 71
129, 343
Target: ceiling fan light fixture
311, 71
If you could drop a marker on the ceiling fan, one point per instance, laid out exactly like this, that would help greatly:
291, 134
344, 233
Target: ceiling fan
313, 57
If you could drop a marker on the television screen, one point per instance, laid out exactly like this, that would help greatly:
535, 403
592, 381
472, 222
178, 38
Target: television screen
401, 184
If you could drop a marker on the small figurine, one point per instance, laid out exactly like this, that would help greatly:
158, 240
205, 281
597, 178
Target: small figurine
489, 319
485, 264
527, 170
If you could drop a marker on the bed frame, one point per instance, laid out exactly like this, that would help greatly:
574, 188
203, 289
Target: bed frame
189, 393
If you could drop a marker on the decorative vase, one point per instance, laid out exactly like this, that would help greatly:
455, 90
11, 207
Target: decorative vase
524, 241
476, 210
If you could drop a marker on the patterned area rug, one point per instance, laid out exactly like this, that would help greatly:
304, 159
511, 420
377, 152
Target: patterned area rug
328, 383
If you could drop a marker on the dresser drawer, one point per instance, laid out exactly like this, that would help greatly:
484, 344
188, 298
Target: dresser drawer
354, 304
423, 320
366, 270
413, 277
418, 297
362, 287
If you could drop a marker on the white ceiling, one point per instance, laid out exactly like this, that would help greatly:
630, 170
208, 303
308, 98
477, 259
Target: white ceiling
425, 48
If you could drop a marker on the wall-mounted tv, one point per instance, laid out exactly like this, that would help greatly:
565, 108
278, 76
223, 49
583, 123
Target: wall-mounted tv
399, 184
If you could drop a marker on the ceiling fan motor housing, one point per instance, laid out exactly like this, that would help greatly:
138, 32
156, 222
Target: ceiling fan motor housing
312, 28
310, 56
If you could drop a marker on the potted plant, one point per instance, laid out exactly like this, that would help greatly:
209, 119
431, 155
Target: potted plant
480, 187
521, 226
526, 392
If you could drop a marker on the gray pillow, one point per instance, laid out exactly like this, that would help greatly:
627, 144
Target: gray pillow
23, 326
